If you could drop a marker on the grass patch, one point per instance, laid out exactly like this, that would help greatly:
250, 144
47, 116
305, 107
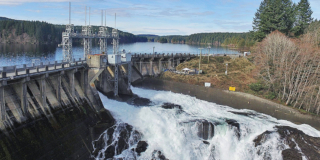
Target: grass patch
239, 72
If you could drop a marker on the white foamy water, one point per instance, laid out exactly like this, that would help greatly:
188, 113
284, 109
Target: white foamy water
174, 133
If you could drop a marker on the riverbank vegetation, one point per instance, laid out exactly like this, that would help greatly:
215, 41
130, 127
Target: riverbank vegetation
290, 68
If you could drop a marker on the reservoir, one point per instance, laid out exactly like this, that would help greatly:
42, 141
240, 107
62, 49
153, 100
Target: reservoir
17, 54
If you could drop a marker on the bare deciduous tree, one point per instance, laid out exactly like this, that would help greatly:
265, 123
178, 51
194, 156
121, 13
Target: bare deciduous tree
291, 68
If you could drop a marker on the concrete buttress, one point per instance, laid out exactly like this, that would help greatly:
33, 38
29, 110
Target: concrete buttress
23, 96
151, 68
43, 93
71, 82
58, 90
84, 80
2, 101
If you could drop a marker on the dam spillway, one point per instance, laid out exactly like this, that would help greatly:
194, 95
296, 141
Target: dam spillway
33, 90
49, 109
57, 105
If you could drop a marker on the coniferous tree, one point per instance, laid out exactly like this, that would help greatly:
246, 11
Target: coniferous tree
269, 17
281, 15
289, 16
303, 17
258, 25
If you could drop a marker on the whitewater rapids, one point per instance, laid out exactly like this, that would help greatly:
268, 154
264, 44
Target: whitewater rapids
169, 130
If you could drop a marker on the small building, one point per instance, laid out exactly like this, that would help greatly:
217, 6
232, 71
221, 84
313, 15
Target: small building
114, 59
246, 54
186, 70
125, 57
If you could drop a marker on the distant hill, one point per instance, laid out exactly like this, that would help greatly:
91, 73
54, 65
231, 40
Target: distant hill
4, 18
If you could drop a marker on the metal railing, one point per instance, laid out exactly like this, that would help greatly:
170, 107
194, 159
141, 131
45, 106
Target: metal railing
162, 55
17, 70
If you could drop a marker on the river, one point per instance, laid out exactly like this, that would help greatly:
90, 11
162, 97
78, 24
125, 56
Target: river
194, 129
17, 54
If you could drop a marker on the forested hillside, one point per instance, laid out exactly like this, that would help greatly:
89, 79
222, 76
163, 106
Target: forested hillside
16, 31
206, 38
4, 18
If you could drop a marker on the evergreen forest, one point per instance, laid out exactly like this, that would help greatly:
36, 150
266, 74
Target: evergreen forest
49, 33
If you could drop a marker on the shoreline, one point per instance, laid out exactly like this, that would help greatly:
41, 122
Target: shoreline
237, 100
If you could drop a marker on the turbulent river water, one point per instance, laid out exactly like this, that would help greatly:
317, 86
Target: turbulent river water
192, 129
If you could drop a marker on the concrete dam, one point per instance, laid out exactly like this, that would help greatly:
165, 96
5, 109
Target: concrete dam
53, 111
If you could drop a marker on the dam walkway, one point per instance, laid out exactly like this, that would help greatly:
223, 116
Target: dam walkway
14, 72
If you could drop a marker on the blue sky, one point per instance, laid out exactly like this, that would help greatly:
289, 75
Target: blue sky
161, 17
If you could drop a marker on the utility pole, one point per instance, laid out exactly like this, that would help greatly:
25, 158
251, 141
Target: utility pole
153, 50
208, 53
101, 18
226, 69
69, 13
200, 58
85, 20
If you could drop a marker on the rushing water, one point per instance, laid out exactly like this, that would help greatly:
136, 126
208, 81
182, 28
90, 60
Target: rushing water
175, 132
17, 54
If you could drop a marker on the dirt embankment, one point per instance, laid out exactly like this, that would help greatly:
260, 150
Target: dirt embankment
11, 37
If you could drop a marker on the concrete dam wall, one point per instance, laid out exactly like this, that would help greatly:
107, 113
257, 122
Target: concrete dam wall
54, 111
50, 113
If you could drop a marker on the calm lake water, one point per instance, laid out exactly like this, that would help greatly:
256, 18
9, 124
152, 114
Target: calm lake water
18, 54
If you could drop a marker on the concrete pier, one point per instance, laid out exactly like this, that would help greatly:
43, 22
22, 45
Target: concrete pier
154, 64
23, 93
2, 101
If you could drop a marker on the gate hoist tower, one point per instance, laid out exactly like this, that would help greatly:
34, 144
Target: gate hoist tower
86, 34
119, 58
115, 59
